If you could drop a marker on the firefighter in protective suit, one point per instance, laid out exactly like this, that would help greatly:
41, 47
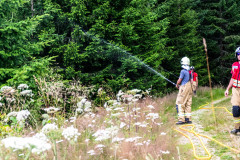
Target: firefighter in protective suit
184, 97
235, 85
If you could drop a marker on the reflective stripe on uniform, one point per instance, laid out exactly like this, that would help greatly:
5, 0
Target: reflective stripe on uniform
188, 114
237, 121
236, 83
181, 114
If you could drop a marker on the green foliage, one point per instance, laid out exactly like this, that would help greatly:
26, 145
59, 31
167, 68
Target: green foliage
117, 43
219, 22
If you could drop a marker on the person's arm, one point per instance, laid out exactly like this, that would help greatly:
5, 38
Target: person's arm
196, 81
229, 87
178, 82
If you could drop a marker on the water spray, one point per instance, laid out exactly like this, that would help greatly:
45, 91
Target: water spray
129, 55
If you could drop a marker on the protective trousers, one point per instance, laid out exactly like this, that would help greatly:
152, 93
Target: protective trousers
235, 100
184, 102
194, 85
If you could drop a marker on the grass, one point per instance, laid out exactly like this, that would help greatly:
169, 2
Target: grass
158, 140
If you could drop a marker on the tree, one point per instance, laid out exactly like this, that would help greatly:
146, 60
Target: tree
219, 25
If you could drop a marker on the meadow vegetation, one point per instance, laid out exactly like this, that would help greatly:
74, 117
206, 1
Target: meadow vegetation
63, 121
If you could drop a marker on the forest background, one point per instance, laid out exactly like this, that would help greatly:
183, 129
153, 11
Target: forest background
94, 41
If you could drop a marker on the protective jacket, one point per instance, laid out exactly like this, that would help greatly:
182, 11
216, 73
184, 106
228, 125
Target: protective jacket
235, 74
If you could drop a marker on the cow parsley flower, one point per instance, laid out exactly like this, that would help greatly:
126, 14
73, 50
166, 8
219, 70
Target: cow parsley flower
132, 139
150, 106
164, 152
117, 139
91, 152
22, 115
106, 134
34, 144
41, 136
51, 109
6, 88
152, 116
49, 127
22, 86
70, 133
27, 93
122, 124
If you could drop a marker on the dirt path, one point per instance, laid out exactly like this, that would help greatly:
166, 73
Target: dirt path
199, 129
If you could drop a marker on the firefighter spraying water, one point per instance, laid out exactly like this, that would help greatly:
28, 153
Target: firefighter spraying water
184, 97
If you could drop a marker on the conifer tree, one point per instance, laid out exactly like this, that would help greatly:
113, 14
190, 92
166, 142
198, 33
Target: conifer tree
184, 38
219, 25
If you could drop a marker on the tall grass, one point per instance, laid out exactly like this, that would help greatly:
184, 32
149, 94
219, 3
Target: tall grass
133, 130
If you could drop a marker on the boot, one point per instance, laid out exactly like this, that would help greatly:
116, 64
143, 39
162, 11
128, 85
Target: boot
187, 121
180, 123
235, 131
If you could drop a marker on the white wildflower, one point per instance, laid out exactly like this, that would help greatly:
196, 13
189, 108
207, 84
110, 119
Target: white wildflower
99, 147
22, 115
59, 141
146, 142
22, 86
111, 103
137, 96
122, 124
87, 106
51, 109
49, 127
152, 116
10, 100
115, 114
165, 152
27, 93
90, 126
12, 114
143, 124
79, 110
150, 106
105, 105
91, 152
87, 140
119, 109
132, 139
41, 136
134, 100
72, 119
138, 144
81, 103
6, 88
34, 144
106, 134
117, 139
119, 95
136, 109
70, 133
163, 133
108, 109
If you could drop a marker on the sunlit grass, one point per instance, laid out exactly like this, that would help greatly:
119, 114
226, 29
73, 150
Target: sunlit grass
132, 130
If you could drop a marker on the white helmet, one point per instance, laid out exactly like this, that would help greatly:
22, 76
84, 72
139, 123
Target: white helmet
237, 51
185, 61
